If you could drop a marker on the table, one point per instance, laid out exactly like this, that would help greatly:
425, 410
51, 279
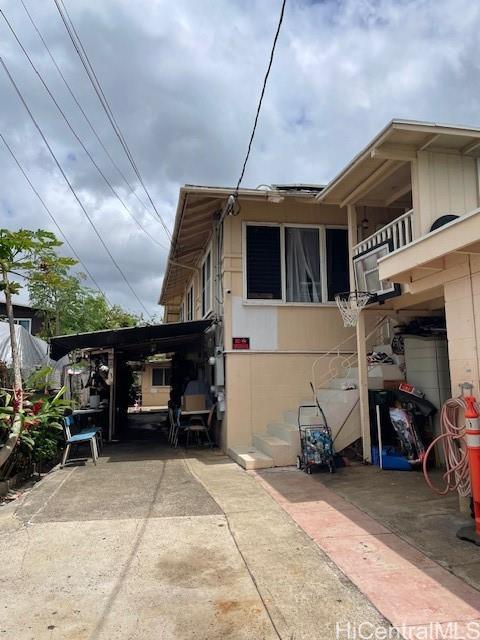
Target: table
86, 416
86, 412
199, 412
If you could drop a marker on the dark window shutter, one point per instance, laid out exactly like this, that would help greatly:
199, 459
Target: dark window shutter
264, 274
337, 262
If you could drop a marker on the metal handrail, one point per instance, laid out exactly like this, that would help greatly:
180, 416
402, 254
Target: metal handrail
347, 360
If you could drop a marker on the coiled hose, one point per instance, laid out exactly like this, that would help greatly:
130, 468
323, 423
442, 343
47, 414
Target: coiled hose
457, 474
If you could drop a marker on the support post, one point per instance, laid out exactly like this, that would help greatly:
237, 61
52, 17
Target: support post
363, 387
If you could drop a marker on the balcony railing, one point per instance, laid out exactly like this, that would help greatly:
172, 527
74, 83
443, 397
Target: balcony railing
400, 232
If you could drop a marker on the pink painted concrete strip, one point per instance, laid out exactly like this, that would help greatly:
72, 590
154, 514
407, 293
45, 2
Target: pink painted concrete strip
409, 589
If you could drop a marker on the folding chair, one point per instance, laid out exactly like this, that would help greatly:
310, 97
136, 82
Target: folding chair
177, 426
198, 426
79, 438
98, 430
172, 420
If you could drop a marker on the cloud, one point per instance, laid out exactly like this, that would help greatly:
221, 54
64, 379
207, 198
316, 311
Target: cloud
183, 80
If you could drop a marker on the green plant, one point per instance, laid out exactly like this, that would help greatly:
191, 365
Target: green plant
41, 430
31, 255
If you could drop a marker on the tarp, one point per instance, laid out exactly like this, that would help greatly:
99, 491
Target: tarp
33, 352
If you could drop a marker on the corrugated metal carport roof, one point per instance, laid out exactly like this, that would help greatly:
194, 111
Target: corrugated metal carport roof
137, 341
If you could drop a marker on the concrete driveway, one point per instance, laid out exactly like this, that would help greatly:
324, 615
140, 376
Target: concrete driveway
155, 544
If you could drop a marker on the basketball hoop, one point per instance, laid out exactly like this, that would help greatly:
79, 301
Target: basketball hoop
350, 303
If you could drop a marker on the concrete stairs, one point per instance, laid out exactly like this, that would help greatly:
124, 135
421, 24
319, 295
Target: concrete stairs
279, 445
250, 458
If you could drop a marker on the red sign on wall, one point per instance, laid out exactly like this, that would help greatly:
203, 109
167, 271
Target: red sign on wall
241, 343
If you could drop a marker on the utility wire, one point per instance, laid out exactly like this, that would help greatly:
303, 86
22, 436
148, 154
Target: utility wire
82, 54
52, 217
74, 193
82, 111
75, 134
259, 107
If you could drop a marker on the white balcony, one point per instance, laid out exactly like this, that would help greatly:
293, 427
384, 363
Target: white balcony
399, 232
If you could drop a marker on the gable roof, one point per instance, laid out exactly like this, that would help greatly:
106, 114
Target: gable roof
199, 207
395, 145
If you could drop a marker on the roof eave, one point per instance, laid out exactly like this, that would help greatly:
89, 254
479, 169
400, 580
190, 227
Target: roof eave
396, 123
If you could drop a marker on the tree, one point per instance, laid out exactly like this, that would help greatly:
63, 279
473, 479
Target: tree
48, 286
70, 307
22, 253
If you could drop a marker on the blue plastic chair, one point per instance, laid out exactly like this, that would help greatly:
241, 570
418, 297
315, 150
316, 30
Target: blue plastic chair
78, 438
98, 430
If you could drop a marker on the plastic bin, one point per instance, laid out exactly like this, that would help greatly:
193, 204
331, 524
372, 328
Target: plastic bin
391, 459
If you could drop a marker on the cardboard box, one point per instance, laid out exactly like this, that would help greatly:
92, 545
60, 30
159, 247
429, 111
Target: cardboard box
195, 402
392, 385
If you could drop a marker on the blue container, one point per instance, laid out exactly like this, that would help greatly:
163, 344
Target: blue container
391, 459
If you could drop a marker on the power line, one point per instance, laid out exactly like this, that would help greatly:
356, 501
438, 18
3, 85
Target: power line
77, 137
74, 193
82, 54
82, 111
272, 53
52, 217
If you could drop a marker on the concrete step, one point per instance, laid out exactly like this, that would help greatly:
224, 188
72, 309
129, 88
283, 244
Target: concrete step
250, 458
281, 451
286, 432
381, 371
308, 416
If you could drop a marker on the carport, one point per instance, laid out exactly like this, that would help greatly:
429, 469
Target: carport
188, 342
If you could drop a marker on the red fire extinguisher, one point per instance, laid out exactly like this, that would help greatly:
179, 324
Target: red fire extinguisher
472, 438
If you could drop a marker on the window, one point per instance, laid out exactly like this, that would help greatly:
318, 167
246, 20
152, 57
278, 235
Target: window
207, 284
264, 279
338, 277
190, 310
26, 323
302, 258
160, 377
367, 272
181, 313
298, 264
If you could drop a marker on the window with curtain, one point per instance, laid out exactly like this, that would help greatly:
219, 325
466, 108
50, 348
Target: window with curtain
285, 263
302, 261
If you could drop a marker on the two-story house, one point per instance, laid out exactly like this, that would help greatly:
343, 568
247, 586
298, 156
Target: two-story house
266, 270
266, 264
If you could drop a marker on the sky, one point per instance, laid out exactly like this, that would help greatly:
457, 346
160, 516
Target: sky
183, 79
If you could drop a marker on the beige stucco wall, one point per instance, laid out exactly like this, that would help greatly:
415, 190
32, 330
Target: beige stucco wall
459, 281
462, 308
153, 396
297, 326
285, 340
260, 387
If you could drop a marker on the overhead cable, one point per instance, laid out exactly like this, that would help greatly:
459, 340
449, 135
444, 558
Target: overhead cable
259, 107
85, 116
75, 134
90, 71
52, 217
74, 193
